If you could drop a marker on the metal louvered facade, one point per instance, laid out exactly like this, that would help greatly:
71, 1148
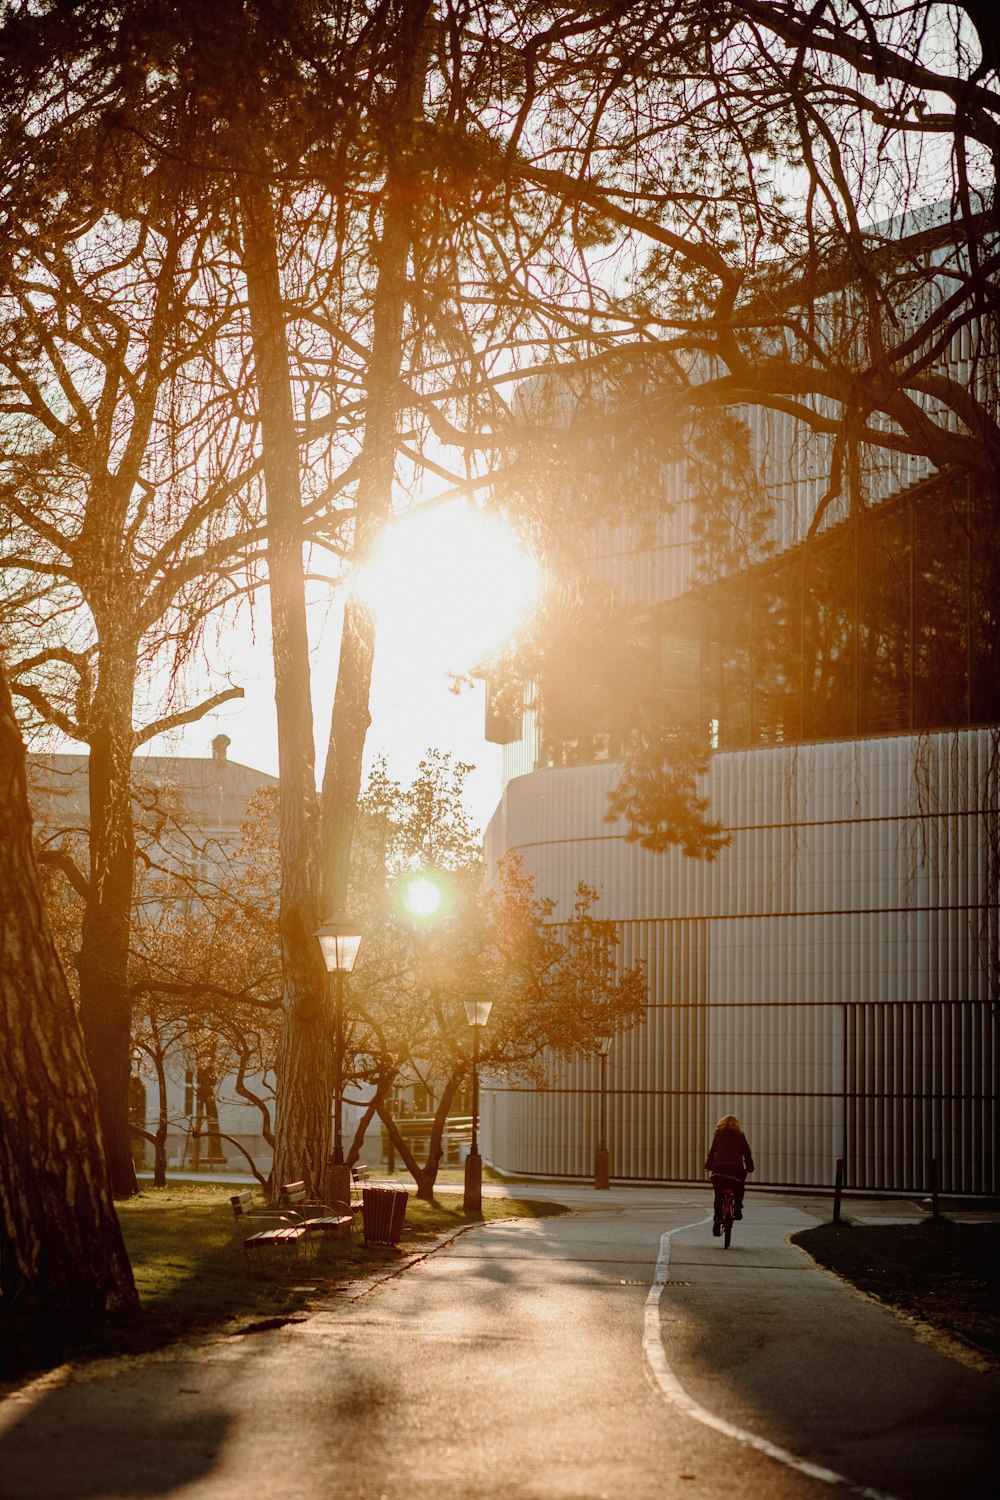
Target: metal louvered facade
831, 978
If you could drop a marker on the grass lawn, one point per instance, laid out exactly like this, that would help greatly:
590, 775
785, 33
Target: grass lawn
193, 1275
945, 1274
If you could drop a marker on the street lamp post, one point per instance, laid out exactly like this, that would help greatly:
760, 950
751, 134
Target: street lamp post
477, 1012
602, 1166
339, 941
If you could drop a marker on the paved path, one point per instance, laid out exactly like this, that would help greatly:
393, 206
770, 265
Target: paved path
556, 1359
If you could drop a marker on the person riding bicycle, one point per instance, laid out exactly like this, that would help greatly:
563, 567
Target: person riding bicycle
728, 1161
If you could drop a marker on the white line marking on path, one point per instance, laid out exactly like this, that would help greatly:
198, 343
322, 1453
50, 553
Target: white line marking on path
671, 1388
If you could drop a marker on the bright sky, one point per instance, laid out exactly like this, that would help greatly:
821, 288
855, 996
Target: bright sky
449, 585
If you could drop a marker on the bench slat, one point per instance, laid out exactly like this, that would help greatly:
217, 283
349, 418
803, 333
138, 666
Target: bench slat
288, 1235
344, 1221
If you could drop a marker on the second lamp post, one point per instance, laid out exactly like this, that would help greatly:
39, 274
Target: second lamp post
477, 1012
339, 940
602, 1163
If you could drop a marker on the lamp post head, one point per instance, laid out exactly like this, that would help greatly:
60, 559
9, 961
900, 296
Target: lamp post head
477, 1008
339, 940
604, 1045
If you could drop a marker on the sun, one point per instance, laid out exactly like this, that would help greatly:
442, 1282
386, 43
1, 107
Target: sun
450, 584
422, 897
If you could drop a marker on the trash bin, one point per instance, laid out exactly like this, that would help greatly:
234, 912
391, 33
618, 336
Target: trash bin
383, 1210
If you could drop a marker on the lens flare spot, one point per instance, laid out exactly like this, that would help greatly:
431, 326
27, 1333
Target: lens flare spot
422, 898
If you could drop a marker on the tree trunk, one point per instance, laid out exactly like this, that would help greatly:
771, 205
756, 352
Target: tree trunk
425, 1187
424, 1176
372, 1108
435, 1146
162, 1126
209, 1111
351, 717
305, 1054
305, 1064
61, 1248
259, 1104
105, 1001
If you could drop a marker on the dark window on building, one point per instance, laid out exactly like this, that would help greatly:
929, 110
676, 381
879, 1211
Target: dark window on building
940, 612
776, 636
597, 690
504, 721
728, 624
828, 637
677, 684
884, 621
873, 627
985, 609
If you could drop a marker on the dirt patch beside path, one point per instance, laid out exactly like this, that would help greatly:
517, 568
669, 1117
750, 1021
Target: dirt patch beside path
944, 1274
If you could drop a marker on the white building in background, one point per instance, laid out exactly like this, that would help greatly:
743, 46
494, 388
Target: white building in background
832, 977
206, 798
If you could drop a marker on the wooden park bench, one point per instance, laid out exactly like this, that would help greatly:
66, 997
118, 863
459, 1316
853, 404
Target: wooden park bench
316, 1218
360, 1178
283, 1237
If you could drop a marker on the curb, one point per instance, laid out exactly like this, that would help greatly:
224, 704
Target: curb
354, 1291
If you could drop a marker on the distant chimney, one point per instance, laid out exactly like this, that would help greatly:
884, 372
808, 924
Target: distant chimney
220, 745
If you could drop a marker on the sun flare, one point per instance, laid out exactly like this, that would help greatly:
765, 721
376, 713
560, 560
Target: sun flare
451, 584
422, 897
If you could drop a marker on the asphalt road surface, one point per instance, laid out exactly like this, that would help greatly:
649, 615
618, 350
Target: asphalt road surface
619, 1351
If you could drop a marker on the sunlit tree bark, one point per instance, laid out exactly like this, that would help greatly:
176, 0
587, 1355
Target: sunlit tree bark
304, 1060
314, 868
61, 1249
374, 495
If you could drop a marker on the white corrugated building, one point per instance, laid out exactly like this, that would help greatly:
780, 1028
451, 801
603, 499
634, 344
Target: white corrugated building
832, 976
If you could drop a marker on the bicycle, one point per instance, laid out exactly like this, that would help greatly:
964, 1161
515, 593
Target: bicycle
728, 1209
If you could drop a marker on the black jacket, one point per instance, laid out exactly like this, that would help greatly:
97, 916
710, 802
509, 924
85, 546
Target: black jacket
729, 1154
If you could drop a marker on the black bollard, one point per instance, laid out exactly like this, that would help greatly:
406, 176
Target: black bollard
838, 1189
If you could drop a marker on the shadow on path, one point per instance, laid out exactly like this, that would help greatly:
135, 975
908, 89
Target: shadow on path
113, 1448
